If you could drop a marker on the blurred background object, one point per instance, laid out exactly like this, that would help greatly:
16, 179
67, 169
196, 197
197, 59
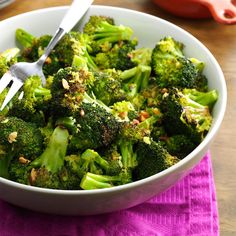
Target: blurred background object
4, 3
223, 11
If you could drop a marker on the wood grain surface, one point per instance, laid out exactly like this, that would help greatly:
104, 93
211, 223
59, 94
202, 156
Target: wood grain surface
221, 41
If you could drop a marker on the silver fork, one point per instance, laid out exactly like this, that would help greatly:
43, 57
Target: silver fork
20, 71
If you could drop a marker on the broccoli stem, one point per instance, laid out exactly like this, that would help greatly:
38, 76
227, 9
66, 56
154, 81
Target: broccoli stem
53, 156
84, 62
4, 165
136, 79
112, 33
90, 62
128, 155
203, 98
42, 92
90, 156
94, 181
24, 38
89, 99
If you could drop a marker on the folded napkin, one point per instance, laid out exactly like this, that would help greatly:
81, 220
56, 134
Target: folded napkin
188, 208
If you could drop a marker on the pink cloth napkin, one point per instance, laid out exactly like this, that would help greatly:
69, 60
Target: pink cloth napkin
188, 208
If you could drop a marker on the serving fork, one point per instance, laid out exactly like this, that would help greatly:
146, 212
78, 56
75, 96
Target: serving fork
20, 71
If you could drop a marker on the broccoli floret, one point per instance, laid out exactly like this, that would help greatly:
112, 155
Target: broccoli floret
72, 50
117, 57
179, 145
138, 130
20, 137
173, 69
152, 158
68, 89
19, 170
141, 56
34, 102
107, 86
96, 127
46, 168
124, 111
182, 115
33, 49
131, 133
103, 33
113, 157
8, 58
94, 21
91, 161
152, 96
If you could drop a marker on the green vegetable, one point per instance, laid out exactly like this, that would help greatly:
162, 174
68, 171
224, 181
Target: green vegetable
111, 112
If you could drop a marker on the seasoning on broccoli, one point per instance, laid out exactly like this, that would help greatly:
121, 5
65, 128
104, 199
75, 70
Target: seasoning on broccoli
183, 115
173, 69
20, 137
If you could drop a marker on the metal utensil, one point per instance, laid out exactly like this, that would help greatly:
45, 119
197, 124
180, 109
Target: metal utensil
19, 72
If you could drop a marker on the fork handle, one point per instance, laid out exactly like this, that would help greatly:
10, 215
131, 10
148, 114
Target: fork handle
73, 15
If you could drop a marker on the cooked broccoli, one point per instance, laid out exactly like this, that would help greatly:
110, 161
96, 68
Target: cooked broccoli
135, 79
96, 181
94, 21
5, 159
208, 98
111, 112
73, 48
47, 167
141, 56
8, 58
173, 69
103, 33
96, 127
182, 115
34, 47
124, 111
3, 95
68, 89
131, 133
107, 86
24, 38
19, 170
117, 57
91, 161
179, 145
34, 103
20, 137
152, 158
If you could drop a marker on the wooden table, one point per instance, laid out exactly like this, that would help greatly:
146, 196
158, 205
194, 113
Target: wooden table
221, 40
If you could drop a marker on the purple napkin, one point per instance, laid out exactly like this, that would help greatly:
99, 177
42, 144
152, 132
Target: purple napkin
188, 208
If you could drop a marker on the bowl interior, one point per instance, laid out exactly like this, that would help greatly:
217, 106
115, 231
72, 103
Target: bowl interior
148, 29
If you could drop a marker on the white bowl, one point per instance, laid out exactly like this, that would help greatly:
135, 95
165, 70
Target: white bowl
149, 30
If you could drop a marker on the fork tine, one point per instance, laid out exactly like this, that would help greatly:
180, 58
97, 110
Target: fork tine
4, 81
16, 85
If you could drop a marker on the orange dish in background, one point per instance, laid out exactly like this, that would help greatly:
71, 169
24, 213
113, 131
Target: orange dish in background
223, 11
